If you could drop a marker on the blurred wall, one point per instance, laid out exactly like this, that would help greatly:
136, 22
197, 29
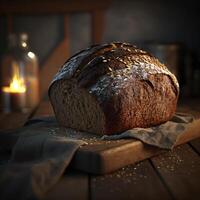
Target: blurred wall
135, 21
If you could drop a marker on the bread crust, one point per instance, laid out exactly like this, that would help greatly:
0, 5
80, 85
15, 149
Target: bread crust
131, 86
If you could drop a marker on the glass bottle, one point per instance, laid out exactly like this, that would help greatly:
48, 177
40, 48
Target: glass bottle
20, 84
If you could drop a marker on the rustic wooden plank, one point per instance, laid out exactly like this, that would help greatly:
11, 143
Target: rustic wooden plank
9, 123
180, 171
52, 65
73, 185
192, 132
98, 25
104, 157
51, 7
137, 181
13, 120
196, 145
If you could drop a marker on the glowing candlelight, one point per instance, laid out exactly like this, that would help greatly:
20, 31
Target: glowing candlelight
17, 84
14, 94
19, 75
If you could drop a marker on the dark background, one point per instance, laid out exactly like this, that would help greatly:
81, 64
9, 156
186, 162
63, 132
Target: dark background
136, 21
133, 21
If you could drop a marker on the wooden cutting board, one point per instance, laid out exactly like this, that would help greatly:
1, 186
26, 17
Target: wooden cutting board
101, 157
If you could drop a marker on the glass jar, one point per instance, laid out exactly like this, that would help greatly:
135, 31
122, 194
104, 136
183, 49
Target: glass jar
19, 70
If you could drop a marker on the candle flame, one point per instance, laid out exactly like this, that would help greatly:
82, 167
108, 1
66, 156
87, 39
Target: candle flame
17, 84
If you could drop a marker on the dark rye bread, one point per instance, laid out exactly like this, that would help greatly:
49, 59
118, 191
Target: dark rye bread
110, 88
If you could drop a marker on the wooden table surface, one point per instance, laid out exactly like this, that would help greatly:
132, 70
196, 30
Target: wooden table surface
172, 175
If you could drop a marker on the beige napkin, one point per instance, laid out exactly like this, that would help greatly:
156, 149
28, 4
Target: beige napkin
163, 136
37, 162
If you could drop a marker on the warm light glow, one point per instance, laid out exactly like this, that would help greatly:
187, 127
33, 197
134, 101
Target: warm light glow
31, 54
17, 83
24, 44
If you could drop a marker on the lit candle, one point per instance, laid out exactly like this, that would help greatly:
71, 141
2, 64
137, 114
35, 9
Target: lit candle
14, 94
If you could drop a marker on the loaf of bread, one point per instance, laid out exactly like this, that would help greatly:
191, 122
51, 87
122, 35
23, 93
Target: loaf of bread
110, 88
